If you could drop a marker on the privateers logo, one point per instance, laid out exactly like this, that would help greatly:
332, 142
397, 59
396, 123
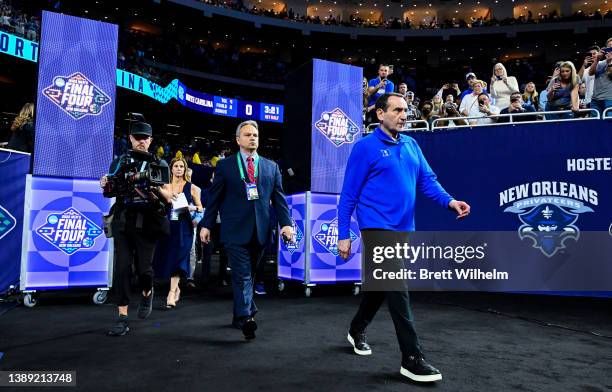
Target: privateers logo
293, 246
548, 211
69, 231
76, 95
7, 222
337, 127
327, 236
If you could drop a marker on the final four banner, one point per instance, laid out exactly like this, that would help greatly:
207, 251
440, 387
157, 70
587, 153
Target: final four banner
14, 167
64, 238
313, 257
336, 122
75, 112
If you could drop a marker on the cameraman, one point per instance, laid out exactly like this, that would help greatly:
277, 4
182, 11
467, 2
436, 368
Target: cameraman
135, 228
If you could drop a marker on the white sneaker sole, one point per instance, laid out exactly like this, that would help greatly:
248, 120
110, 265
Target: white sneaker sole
358, 352
417, 378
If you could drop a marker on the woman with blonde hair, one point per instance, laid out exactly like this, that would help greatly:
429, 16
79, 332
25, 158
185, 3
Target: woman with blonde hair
563, 91
22, 136
172, 253
531, 96
502, 86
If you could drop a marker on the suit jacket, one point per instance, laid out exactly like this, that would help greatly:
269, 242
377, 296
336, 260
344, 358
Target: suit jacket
239, 216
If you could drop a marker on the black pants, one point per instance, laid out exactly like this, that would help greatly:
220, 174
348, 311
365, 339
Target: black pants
244, 261
132, 245
399, 307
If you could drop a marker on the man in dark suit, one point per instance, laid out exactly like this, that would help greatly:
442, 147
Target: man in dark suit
242, 189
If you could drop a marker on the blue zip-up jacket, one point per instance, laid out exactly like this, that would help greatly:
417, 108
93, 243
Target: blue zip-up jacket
381, 179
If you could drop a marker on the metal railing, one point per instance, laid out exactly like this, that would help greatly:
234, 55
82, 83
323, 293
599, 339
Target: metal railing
435, 124
607, 114
422, 125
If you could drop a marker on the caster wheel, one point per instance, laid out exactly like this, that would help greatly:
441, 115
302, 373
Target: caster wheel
29, 301
307, 292
100, 297
356, 290
281, 285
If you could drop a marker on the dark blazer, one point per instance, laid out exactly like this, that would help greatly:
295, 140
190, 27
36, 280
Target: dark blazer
239, 216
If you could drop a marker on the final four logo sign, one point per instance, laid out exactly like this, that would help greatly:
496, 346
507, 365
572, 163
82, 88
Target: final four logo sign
69, 231
337, 127
7, 222
293, 246
76, 95
328, 236
548, 211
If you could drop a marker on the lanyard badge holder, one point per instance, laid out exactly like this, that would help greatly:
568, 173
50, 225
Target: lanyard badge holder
251, 188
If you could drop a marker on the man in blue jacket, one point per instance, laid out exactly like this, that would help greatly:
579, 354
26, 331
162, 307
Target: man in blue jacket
378, 161
243, 187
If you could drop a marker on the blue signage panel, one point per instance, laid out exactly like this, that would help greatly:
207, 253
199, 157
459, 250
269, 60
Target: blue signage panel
336, 122
76, 97
547, 183
14, 167
64, 237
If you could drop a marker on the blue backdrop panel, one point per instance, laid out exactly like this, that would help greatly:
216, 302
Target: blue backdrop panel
508, 172
325, 264
292, 257
336, 122
66, 246
75, 113
313, 258
14, 167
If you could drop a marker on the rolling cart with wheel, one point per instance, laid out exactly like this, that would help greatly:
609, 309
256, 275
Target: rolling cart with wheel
313, 258
63, 243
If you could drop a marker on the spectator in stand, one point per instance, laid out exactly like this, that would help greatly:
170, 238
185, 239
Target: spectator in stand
563, 91
531, 97
449, 111
470, 78
402, 89
436, 105
413, 111
602, 87
485, 110
451, 88
469, 102
585, 77
582, 96
517, 106
502, 86
427, 113
376, 88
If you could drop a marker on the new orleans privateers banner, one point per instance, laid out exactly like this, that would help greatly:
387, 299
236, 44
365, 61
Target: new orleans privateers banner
541, 200
75, 112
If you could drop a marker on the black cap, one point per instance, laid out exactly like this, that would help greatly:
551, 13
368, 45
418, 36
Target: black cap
141, 128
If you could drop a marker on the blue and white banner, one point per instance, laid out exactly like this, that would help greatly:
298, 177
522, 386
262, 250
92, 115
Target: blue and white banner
75, 112
64, 238
14, 168
549, 184
336, 122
